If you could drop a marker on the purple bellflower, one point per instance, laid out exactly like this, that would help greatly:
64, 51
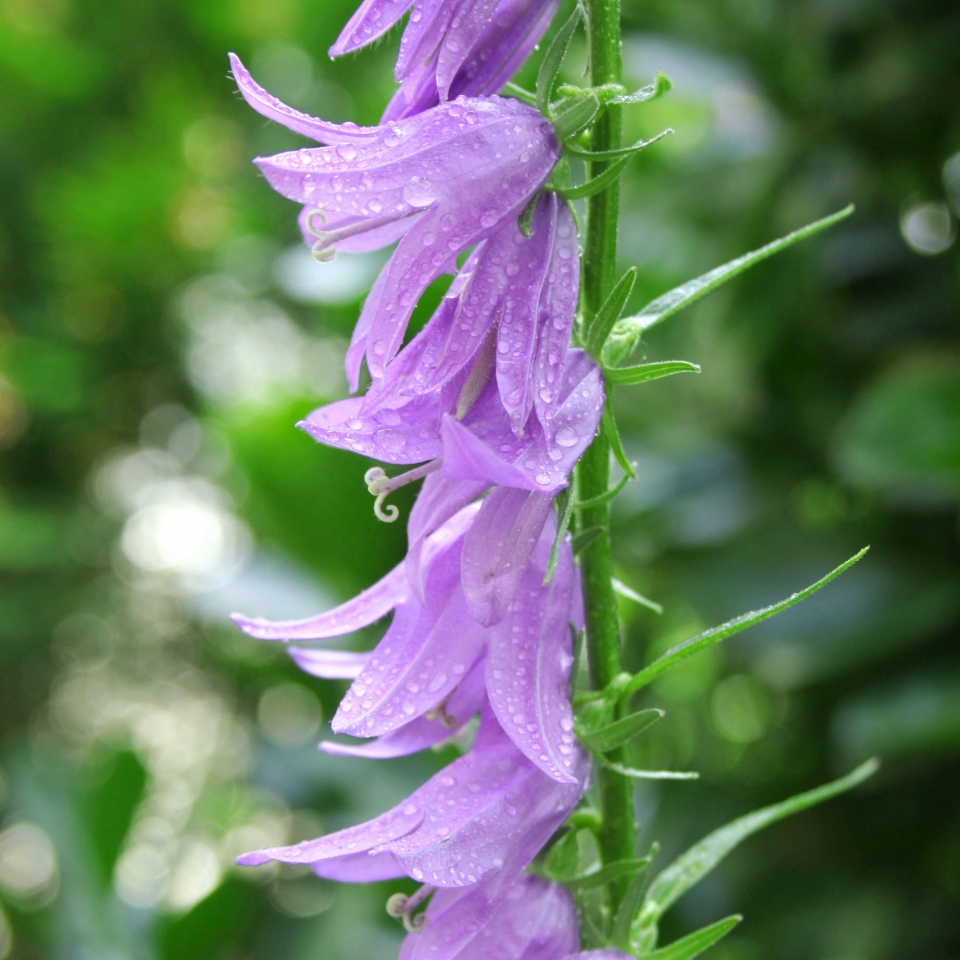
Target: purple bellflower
436, 664
450, 48
487, 814
532, 920
439, 182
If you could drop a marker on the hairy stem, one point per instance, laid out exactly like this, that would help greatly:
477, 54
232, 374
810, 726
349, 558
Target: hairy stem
593, 471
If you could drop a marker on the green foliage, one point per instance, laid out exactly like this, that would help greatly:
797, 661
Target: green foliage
626, 334
691, 867
648, 371
612, 735
693, 944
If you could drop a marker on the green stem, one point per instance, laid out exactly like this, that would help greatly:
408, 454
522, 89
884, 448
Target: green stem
617, 839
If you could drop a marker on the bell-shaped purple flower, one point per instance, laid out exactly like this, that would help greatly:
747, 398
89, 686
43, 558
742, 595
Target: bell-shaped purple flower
450, 48
488, 812
514, 300
440, 182
531, 920
423, 680
478, 444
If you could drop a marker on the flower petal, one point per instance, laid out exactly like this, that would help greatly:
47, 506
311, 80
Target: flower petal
498, 547
528, 665
518, 335
558, 307
313, 127
403, 433
490, 810
421, 733
372, 19
439, 499
329, 664
365, 608
421, 659
532, 920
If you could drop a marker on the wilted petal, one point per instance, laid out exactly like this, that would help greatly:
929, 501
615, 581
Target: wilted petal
498, 547
422, 732
532, 920
528, 665
364, 609
329, 664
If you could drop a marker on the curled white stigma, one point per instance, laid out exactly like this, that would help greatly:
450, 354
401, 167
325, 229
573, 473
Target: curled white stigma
381, 486
322, 251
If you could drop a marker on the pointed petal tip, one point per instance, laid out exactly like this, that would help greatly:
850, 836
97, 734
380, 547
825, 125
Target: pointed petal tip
254, 859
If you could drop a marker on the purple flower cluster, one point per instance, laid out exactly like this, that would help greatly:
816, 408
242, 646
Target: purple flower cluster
491, 406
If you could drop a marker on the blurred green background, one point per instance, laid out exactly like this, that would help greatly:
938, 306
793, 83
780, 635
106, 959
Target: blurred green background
162, 328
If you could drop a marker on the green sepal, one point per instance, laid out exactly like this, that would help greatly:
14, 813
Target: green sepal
559, 177
609, 313
661, 84
519, 93
623, 590
586, 154
627, 332
563, 860
598, 183
690, 946
688, 648
572, 115
611, 871
702, 857
609, 427
525, 220
649, 371
550, 66
564, 504
613, 735
583, 538
603, 498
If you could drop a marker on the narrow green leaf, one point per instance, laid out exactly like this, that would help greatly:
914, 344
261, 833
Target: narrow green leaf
564, 504
609, 426
612, 871
583, 538
635, 774
597, 183
574, 114
690, 946
585, 154
518, 93
715, 634
620, 931
609, 313
620, 587
550, 67
649, 371
604, 497
700, 859
627, 333
661, 85
612, 735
